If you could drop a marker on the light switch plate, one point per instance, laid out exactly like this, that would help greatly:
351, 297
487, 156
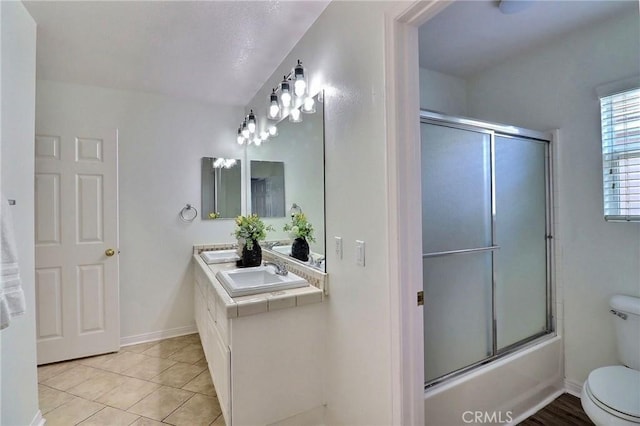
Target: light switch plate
360, 253
338, 241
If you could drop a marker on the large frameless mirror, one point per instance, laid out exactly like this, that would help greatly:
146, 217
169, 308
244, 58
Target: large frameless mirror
299, 149
221, 188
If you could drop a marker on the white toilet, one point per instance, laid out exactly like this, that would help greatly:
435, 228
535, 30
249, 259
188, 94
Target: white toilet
611, 395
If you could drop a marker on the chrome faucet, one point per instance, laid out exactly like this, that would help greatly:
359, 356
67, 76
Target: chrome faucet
316, 261
281, 268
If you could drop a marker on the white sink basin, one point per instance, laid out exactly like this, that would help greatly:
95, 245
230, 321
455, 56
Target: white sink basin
282, 249
219, 256
262, 279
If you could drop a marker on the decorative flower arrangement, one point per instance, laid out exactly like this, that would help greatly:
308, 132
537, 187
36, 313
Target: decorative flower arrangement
300, 227
214, 215
251, 228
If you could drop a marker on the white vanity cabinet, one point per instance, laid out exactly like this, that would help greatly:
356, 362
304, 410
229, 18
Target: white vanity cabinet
265, 352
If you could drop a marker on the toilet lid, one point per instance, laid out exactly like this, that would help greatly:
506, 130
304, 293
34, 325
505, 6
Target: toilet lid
618, 388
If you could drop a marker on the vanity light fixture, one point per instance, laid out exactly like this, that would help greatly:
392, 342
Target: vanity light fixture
274, 106
245, 129
295, 116
240, 138
309, 105
226, 163
285, 93
291, 97
299, 81
251, 122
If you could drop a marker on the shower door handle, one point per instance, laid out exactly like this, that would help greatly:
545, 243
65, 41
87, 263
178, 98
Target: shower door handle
463, 251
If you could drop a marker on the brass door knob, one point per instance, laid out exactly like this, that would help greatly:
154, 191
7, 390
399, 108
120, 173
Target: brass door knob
110, 252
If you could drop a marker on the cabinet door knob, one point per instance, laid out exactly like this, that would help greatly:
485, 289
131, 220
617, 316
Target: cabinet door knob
110, 252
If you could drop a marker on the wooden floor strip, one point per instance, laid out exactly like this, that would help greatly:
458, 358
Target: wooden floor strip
566, 410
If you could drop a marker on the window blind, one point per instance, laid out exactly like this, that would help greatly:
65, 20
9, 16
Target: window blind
620, 115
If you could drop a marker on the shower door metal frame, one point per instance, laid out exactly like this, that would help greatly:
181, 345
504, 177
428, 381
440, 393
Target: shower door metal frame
493, 130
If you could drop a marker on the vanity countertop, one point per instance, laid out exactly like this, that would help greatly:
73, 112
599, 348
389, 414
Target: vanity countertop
256, 303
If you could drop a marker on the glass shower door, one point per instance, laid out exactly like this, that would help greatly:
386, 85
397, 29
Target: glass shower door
457, 246
485, 258
521, 231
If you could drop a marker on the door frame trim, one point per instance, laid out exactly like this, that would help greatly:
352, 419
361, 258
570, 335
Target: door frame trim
402, 108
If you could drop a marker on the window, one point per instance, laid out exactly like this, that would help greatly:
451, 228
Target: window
620, 114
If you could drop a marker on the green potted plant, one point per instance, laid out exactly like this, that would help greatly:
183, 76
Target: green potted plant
249, 231
302, 232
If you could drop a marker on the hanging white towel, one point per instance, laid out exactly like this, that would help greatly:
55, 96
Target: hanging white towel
12, 301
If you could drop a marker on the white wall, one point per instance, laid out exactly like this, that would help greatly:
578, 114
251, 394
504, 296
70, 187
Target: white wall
343, 51
161, 143
18, 376
554, 87
443, 93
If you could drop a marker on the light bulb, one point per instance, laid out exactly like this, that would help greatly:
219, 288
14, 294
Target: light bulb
264, 135
273, 131
286, 99
240, 138
257, 141
295, 116
245, 129
300, 85
251, 122
274, 106
274, 110
285, 89
309, 105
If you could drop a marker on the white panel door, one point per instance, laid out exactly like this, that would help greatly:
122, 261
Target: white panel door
76, 230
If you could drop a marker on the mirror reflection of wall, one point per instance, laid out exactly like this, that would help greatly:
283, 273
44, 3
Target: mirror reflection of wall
221, 188
300, 146
267, 188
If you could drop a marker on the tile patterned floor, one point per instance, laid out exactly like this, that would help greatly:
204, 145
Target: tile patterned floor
156, 383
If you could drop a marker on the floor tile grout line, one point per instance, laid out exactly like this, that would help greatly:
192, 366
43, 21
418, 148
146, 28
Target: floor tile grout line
178, 407
90, 415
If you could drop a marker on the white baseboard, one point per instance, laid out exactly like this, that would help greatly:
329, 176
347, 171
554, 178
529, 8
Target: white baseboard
158, 335
38, 420
530, 412
574, 388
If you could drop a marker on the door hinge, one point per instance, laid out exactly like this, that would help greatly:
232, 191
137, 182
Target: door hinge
420, 298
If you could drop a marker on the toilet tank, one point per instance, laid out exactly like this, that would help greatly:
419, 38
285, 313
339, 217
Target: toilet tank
627, 325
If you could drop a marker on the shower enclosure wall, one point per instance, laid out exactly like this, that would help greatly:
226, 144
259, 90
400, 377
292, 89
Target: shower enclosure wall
486, 235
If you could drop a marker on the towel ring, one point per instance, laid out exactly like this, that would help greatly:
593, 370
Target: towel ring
188, 213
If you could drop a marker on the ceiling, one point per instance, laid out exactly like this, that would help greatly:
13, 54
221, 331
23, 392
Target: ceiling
470, 36
214, 51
